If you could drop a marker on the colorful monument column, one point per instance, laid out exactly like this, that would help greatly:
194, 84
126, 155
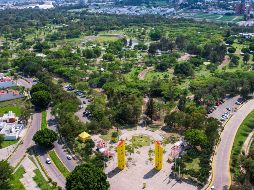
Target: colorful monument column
158, 155
121, 154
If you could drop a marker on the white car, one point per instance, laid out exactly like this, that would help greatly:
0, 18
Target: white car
69, 157
48, 161
212, 188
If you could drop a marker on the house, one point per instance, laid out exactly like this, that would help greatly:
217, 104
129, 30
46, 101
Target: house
9, 126
11, 131
6, 82
9, 94
9, 117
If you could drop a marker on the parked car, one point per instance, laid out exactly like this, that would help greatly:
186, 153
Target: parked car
70, 88
48, 161
69, 157
237, 103
229, 109
84, 102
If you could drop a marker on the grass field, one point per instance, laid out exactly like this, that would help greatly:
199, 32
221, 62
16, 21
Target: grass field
214, 17
15, 182
194, 165
44, 120
246, 127
140, 141
41, 182
58, 163
8, 143
14, 109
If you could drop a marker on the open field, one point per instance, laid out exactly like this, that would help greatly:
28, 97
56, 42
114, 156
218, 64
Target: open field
213, 17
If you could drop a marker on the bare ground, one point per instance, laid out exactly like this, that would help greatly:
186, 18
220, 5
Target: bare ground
142, 75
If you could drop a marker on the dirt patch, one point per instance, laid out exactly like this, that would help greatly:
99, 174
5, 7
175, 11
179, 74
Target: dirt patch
142, 75
186, 57
225, 62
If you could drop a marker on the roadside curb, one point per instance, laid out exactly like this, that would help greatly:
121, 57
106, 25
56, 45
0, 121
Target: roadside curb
60, 160
42, 167
208, 186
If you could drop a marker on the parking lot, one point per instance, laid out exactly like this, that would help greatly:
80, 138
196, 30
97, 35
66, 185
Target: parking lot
84, 102
222, 108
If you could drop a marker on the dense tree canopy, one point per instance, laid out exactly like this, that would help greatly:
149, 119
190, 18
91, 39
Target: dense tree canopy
5, 174
45, 137
87, 176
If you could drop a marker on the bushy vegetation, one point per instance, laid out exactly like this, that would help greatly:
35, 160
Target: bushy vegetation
187, 66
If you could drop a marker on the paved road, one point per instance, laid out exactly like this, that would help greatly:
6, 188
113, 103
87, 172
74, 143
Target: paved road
59, 146
51, 169
27, 141
80, 112
221, 178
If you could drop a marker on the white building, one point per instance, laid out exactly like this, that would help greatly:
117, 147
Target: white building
9, 126
11, 131
9, 117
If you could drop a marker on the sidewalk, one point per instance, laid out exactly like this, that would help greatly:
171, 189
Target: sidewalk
7, 151
27, 179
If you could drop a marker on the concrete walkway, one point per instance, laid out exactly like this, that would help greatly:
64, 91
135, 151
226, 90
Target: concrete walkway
27, 179
7, 151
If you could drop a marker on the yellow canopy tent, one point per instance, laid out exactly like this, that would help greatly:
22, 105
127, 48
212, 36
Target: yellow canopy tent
84, 136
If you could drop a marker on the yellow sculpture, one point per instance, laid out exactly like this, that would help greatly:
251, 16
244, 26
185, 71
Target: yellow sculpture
121, 155
158, 155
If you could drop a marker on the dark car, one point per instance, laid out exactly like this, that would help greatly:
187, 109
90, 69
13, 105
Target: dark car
70, 88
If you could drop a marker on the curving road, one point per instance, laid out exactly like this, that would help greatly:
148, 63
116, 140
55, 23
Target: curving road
221, 170
51, 169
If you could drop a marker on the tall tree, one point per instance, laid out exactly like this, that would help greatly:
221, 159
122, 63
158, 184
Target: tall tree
87, 176
41, 99
150, 109
5, 174
45, 137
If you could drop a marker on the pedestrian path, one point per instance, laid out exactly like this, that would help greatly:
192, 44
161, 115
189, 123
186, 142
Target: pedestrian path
7, 151
27, 179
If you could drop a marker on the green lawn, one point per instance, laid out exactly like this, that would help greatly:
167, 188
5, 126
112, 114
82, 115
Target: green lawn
246, 127
8, 143
15, 182
140, 141
193, 165
44, 120
15, 109
59, 164
41, 182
